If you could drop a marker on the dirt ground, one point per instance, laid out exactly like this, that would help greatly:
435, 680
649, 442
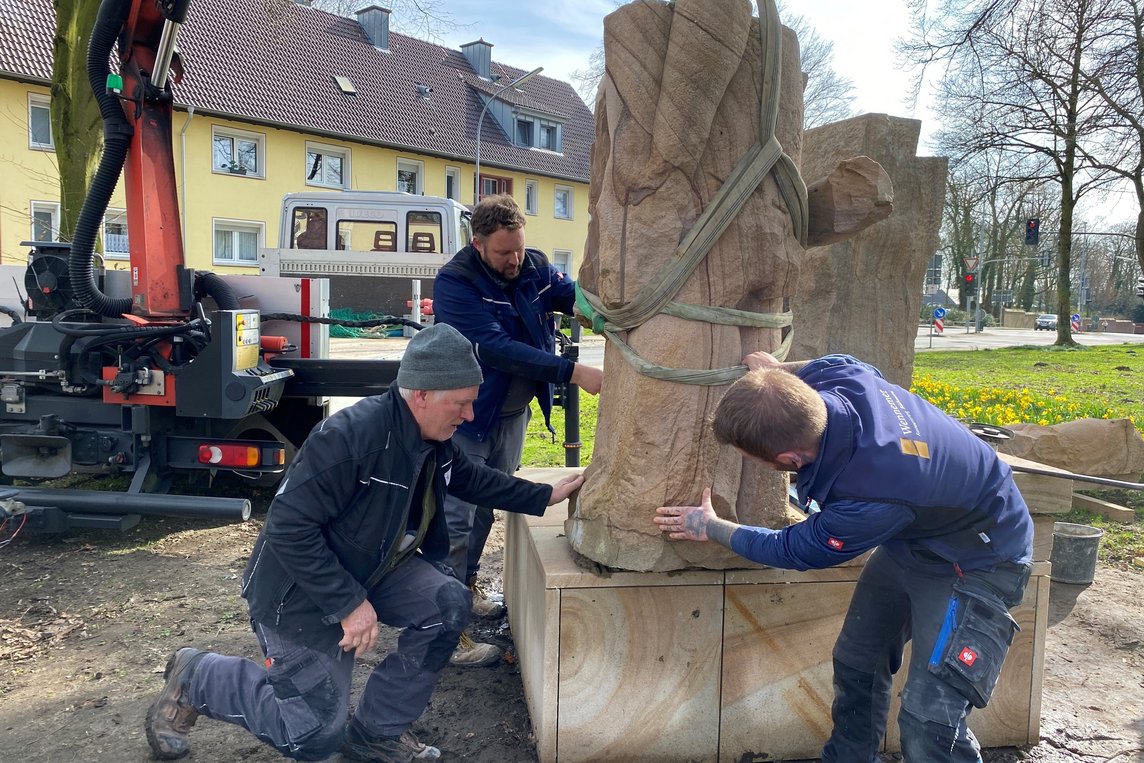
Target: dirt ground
87, 622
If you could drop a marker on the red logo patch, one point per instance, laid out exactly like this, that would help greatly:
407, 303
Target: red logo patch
834, 543
968, 656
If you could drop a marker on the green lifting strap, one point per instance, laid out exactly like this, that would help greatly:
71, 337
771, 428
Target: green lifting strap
656, 296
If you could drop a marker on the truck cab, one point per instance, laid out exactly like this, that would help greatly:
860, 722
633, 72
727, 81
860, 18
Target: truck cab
371, 245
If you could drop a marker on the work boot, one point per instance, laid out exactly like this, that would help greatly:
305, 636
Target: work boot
170, 717
362, 745
483, 606
472, 654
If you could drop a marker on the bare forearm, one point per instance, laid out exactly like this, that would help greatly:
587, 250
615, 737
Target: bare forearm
794, 366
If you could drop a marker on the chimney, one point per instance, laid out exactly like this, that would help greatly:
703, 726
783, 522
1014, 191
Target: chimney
374, 22
480, 55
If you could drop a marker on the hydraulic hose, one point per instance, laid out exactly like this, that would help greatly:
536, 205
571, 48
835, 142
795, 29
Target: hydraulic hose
215, 287
117, 132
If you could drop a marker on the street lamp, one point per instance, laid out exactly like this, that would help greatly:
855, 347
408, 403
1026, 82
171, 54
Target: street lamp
480, 122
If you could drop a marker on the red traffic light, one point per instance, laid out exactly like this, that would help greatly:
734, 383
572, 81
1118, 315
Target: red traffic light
969, 278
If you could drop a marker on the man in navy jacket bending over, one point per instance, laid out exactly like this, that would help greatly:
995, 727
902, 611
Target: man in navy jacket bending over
501, 296
953, 537
355, 535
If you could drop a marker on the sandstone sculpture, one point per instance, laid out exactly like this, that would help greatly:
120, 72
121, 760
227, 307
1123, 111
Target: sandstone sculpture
862, 296
1099, 447
696, 141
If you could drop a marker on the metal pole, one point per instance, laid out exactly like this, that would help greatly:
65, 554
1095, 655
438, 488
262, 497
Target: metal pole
107, 502
572, 444
480, 123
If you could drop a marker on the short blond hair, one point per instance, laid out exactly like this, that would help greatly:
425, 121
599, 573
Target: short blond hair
768, 412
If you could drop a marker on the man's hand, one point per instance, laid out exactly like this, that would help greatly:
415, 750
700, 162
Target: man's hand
587, 378
757, 361
360, 629
686, 522
565, 487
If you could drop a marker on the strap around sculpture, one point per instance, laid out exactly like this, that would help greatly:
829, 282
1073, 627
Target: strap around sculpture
656, 296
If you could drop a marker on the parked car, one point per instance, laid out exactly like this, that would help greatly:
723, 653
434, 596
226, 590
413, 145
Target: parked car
1046, 322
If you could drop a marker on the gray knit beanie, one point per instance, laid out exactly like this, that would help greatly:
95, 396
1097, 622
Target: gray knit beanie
438, 357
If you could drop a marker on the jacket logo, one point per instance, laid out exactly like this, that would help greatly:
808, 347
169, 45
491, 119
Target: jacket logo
835, 544
968, 656
918, 448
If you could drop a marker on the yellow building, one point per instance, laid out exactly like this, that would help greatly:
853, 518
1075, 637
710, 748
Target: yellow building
280, 98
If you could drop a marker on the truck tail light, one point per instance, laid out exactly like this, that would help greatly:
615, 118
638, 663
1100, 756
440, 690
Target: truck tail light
242, 456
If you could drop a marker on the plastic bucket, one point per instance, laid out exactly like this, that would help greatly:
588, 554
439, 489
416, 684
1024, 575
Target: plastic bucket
1074, 553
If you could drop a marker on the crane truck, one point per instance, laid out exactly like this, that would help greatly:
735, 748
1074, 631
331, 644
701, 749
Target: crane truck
159, 371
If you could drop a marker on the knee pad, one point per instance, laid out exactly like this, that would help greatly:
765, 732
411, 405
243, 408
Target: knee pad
454, 602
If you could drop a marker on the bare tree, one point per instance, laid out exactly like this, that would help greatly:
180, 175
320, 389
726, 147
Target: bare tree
1116, 73
1013, 81
419, 18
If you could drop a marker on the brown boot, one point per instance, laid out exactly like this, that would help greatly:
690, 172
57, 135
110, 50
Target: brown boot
473, 654
484, 607
171, 716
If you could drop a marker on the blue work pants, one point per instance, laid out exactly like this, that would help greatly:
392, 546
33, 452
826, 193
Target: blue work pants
297, 700
961, 630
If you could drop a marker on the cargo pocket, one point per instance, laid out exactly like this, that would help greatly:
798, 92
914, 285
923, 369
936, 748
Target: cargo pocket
307, 698
972, 645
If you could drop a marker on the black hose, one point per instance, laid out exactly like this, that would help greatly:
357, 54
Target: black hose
218, 289
117, 132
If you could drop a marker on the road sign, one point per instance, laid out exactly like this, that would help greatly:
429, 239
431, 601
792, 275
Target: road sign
939, 312
1075, 321
1075, 317
971, 262
939, 325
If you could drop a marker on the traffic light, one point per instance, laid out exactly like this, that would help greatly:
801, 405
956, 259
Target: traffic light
969, 284
1140, 287
1032, 232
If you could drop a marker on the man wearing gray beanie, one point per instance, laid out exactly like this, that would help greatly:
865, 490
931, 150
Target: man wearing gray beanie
355, 535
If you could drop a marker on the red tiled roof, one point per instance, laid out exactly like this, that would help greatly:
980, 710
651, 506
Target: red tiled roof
274, 63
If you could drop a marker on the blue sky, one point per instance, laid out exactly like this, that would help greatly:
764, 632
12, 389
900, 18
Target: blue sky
560, 36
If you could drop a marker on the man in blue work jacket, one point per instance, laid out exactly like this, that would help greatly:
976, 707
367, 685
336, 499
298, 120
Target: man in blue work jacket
953, 537
501, 297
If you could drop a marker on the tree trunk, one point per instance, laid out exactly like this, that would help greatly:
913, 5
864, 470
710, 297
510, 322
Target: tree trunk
76, 123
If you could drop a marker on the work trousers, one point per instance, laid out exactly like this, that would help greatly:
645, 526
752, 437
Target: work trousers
470, 524
297, 700
961, 630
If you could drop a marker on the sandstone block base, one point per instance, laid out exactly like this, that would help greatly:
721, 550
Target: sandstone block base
705, 665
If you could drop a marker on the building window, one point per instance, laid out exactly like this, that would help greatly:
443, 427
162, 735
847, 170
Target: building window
115, 234
562, 260
236, 242
525, 130
492, 185
549, 136
327, 166
563, 208
309, 229
409, 176
531, 197
40, 123
45, 221
452, 183
234, 152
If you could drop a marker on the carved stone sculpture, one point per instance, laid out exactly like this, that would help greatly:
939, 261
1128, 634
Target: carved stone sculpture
696, 97
863, 296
